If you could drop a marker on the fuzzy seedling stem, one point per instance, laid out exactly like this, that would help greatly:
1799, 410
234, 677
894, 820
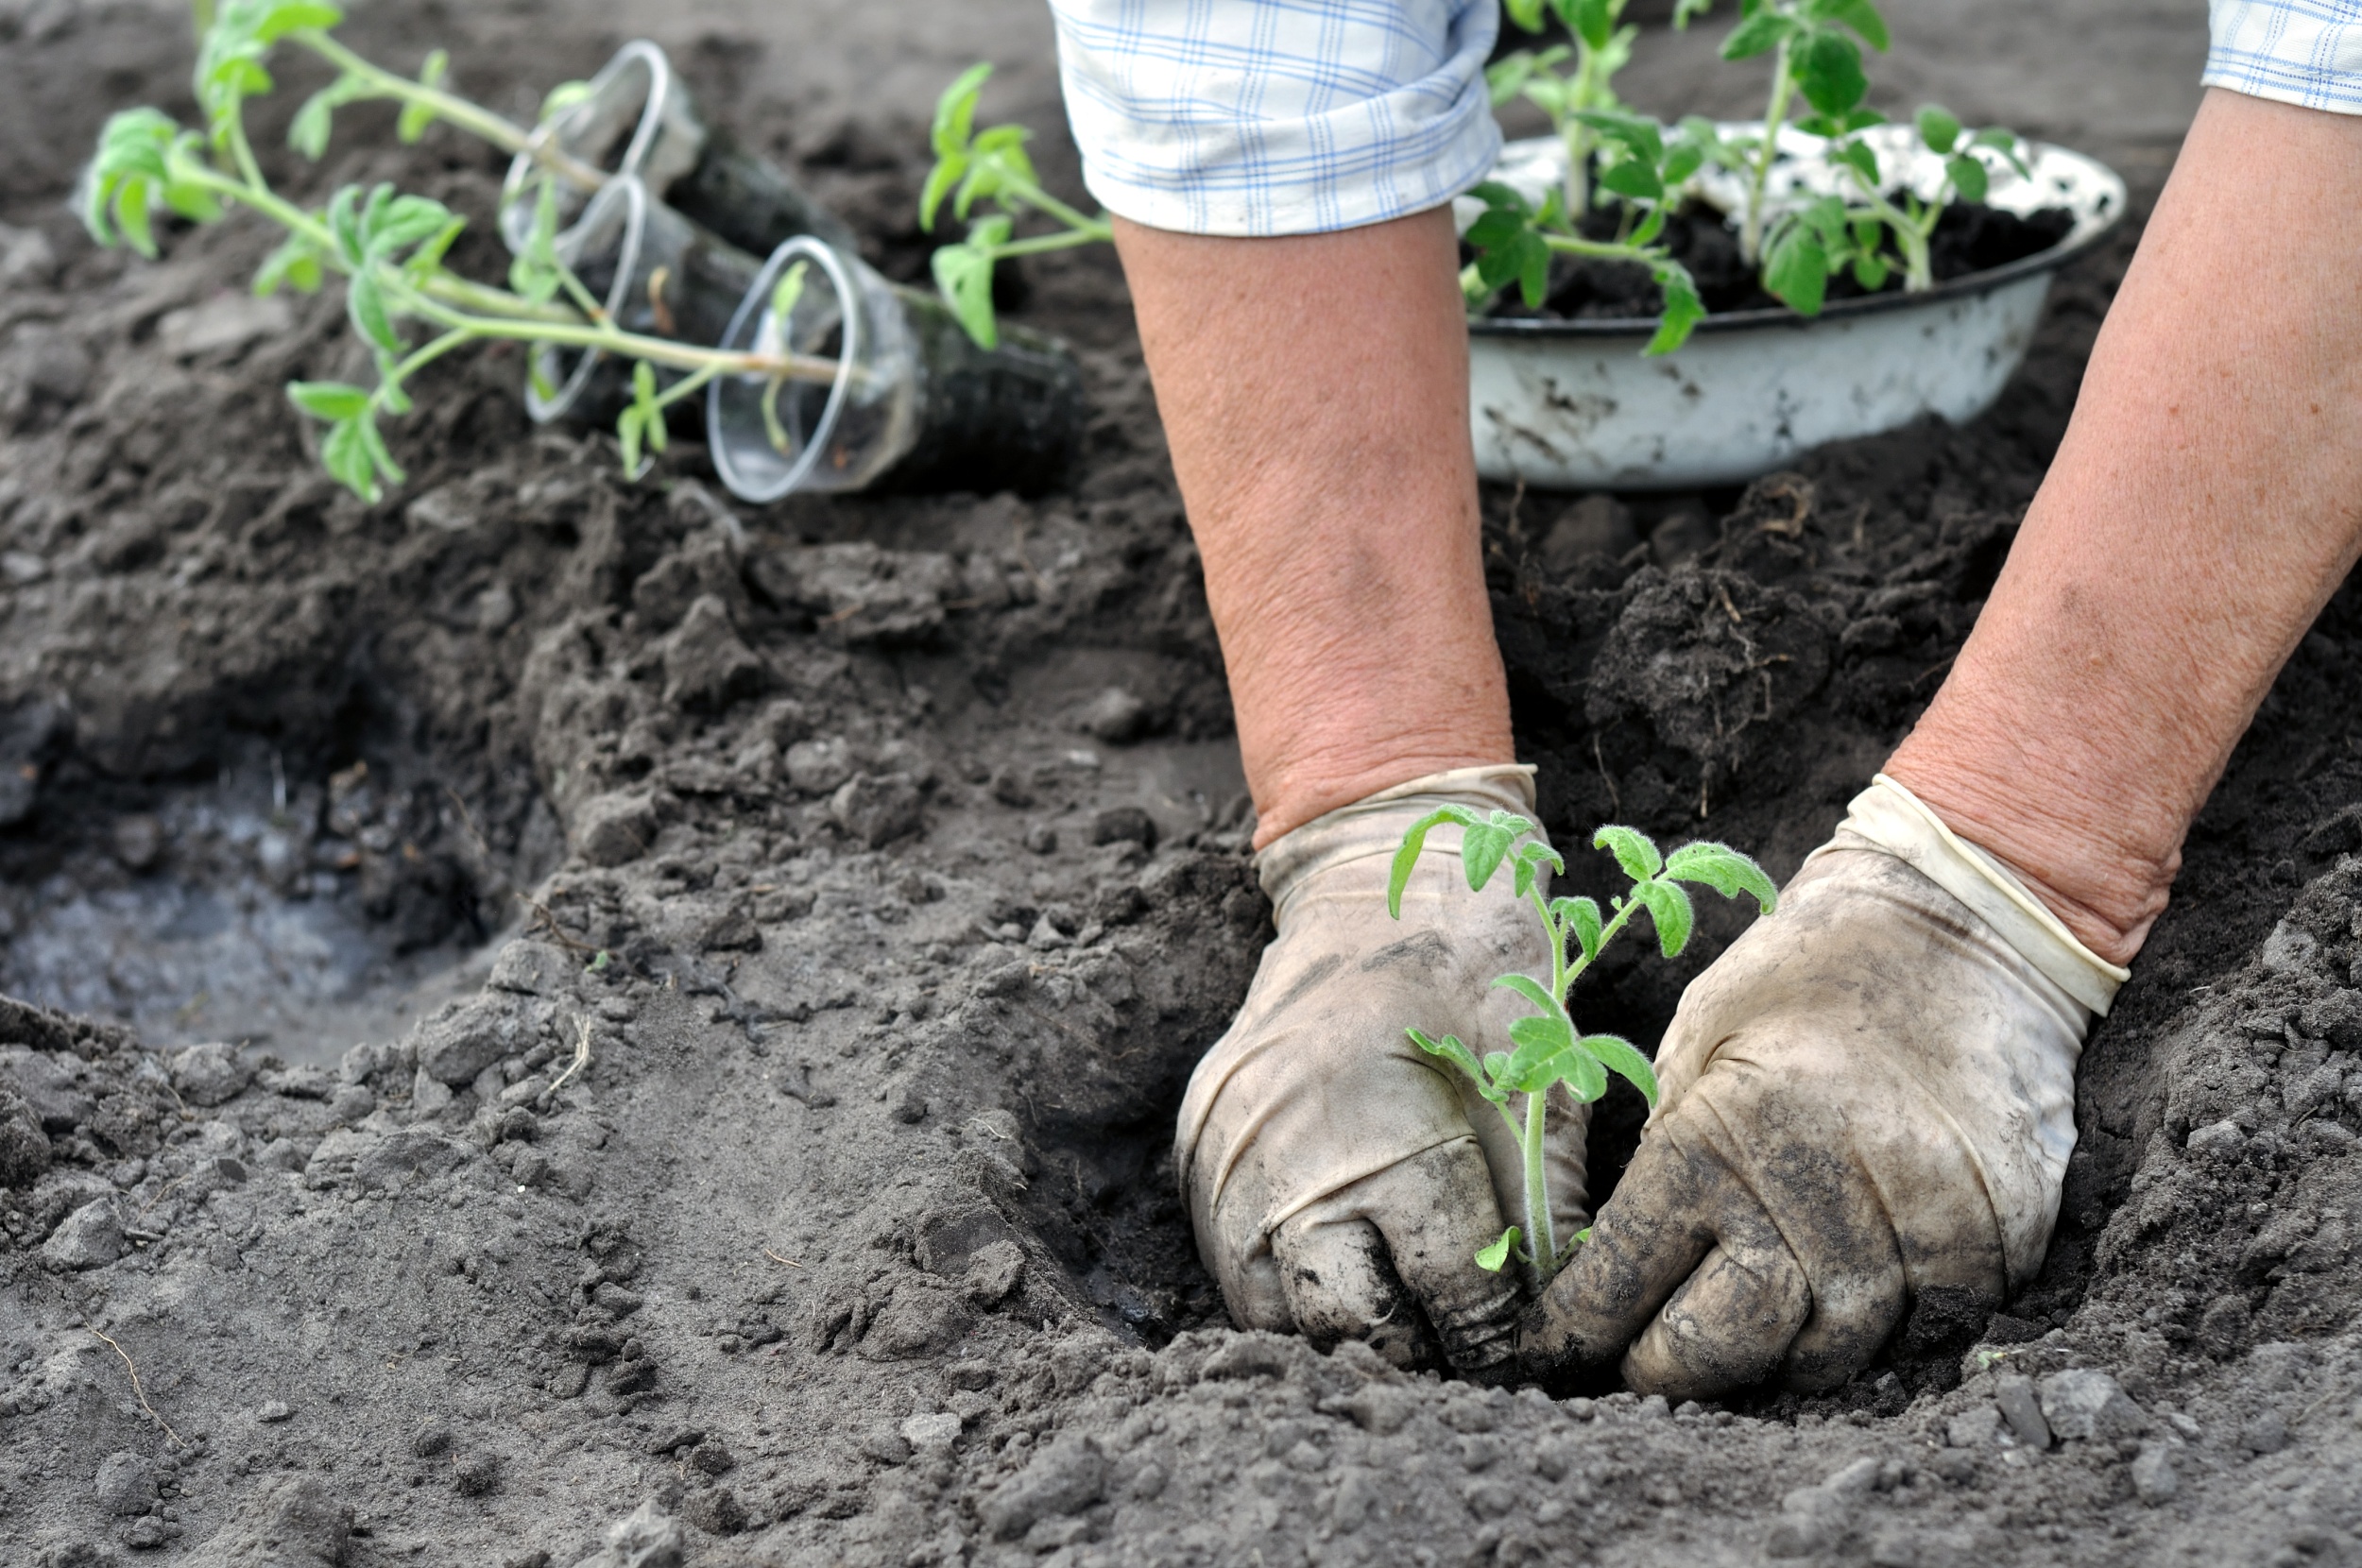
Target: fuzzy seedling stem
1759, 176
1549, 1050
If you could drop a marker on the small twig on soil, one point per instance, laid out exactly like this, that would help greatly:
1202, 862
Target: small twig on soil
168, 1188
1723, 593
1017, 530
1614, 802
776, 1258
468, 823
582, 1055
549, 922
135, 1385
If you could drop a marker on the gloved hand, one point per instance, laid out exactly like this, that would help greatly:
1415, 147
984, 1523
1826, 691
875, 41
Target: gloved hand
1329, 1165
1868, 1098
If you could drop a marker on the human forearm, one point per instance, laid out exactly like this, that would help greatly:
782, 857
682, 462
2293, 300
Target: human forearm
1313, 391
2205, 503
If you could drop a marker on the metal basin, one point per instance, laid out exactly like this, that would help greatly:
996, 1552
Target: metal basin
1572, 405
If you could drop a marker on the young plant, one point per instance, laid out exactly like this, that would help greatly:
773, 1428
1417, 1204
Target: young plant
1549, 1050
1804, 256
1815, 47
1643, 169
1600, 48
389, 249
990, 166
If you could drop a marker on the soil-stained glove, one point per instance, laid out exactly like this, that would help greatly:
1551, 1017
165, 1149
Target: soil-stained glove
1867, 1100
1329, 1164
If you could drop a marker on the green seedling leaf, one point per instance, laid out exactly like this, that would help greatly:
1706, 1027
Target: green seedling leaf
789, 290
1533, 991
627, 427
1484, 845
1668, 909
1460, 1056
1760, 33
1593, 21
1863, 18
1530, 860
1937, 129
1585, 1079
428, 257
1580, 916
1967, 176
1495, 1258
1859, 157
364, 303
1507, 77
328, 399
1413, 842
1686, 11
955, 111
1828, 71
1796, 268
1618, 1056
344, 452
393, 225
565, 95
1683, 310
1632, 179
1539, 1061
1871, 270
1644, 138
949, 171
1633, 849
293, 264
1526, 13
417, 117
963, 275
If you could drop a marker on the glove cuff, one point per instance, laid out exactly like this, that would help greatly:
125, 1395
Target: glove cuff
1375, 823
1889, 817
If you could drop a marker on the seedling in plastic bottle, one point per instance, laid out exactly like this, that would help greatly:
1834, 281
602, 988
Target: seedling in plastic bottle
1549, 1050
387, 246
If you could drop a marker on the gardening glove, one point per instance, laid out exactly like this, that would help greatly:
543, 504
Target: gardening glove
1341, 1181
1868, 1102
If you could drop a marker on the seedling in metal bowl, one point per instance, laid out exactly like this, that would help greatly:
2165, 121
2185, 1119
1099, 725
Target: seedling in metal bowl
1549, 1049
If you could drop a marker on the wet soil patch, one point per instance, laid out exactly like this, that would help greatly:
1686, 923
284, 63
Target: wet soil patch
795, 1186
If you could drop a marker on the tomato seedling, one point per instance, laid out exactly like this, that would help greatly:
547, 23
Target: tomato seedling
1601, 46
989, 166
387, 246
1549, 1049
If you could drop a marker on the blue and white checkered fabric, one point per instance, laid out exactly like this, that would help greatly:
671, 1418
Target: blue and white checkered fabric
1259, 117
2305, 52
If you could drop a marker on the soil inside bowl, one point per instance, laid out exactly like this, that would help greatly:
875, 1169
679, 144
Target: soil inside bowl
1970, 238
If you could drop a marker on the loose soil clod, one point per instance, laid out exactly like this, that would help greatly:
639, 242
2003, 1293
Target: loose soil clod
512, 1281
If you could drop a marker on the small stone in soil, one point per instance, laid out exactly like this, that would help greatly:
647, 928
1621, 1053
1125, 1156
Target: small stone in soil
2267, 1434
1124, 824
2153, 1481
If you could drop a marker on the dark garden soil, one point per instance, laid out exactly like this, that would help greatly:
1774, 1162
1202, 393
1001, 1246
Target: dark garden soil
779, 938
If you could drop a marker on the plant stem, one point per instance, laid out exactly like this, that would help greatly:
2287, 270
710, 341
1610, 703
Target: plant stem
503, 133
1097, 229
1612, 251
1775, 115
1541, 1239
1039, 243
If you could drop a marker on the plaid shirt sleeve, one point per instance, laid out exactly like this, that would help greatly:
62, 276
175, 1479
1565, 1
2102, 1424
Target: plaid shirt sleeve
1261, 117
2302, 52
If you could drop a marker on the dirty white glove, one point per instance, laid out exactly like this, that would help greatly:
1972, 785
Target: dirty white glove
1329, 1164
1868, 1098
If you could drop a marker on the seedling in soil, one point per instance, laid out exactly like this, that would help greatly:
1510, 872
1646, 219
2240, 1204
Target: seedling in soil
1815, 47
1643, 168
1549, 1048
389, 247
1601, 47
992, 167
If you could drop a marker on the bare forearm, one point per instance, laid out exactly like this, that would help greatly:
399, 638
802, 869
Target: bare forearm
1315, 394
2205, 503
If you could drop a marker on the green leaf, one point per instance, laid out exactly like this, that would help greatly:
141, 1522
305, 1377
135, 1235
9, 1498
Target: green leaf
1483, 845
1497, 229
1683, 308
1413, 842
1686, 11
396, 225
1493, 1259
1828, 71
1593, 21
1505, 77
1529, 862
427, 257
1871, 270
346, 455
1583, 1076
1760, 33
308, 131
1796, 268
949, 171
1668, 909
1858, 157
1632, 177
955, 111
364, 303
1539, 1060
789, 290
558, 99
1863, 18
1525, 13
1451, 1051
328, 399
1533, 269
416, 117
380, 458
1580, 916
1643, 137
1968, 176
1616, 1053
294, 262
1632, 850
1937, 127
963, 275
1533, 991
628, 426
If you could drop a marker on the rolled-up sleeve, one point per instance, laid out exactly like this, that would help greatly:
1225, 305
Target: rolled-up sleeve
2303, 52
1263, 117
